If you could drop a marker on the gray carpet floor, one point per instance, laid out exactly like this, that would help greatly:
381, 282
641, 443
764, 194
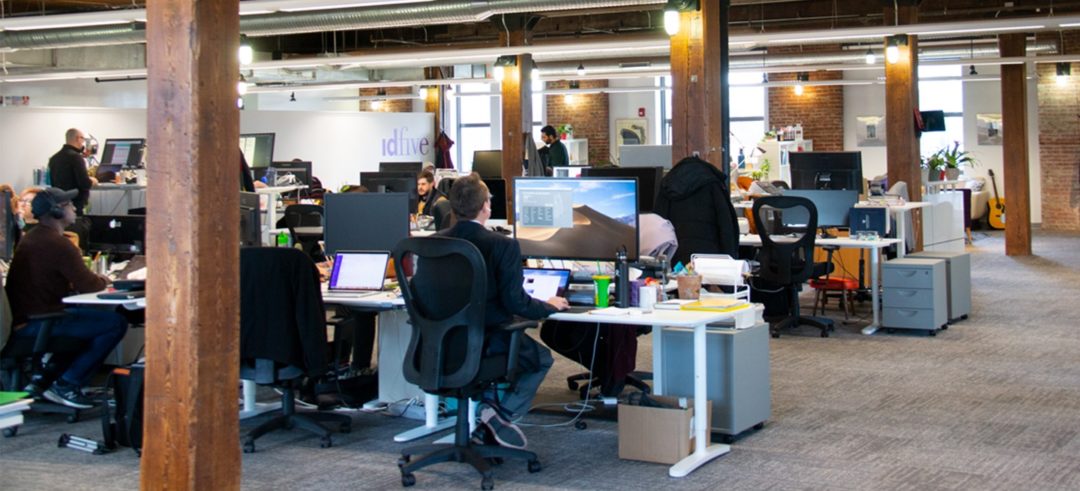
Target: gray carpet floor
991, 403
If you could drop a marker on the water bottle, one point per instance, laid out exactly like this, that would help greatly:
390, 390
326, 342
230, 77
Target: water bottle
282, 239
271, 176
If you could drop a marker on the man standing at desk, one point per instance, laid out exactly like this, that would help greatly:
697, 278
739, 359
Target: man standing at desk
45, 269
67, 169
471, 203
557, 154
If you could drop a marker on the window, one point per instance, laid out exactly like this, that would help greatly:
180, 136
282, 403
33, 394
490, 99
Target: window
472, 111
747, 102
538, 111
942, 95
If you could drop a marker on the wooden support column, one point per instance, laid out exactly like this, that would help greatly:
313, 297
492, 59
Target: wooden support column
1015, 147
435, 97
901, 101
191, 425
516, 112
696, 102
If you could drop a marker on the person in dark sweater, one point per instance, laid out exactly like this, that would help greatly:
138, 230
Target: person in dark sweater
46, 268
557, 156
506, 298
67, 169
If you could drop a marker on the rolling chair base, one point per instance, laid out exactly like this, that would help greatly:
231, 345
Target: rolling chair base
477, 456
309, 422
825, 325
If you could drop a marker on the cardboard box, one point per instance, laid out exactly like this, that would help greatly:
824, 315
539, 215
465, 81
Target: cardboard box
653, 434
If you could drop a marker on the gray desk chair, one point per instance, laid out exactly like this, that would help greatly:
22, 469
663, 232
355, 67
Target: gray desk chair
446, 352
283, 335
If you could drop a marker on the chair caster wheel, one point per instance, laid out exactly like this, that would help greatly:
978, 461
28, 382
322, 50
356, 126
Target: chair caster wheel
487, 484
403, 461
326, 442
931, 333
825, 333
775, 335
580, 425
10, 432
408, 480
535, 466
727, 439
249, 447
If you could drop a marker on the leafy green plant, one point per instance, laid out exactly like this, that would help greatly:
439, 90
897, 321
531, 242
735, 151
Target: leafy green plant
954, 157
761, 172
935, 162
565, 129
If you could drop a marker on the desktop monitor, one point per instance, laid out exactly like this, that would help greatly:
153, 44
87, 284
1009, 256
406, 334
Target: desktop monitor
648, 179
497, 188
588, 218
250, 229
413, 168
569, 171
258, 148
9, 227
833, 206
826, 170
365, 221
116, 233
127, 152
392, 182
487, 163
300, 170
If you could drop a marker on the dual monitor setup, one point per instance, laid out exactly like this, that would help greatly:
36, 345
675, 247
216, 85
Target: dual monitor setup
833, 181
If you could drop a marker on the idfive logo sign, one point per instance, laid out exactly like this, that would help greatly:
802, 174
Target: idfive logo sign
401, 144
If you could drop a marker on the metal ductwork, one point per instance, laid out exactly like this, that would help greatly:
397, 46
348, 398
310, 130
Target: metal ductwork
431, 13
960, 54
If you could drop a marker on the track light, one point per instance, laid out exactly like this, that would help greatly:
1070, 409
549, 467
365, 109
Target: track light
972, 72
500, 66
423, 93
242, 86
870, 58
240, 103
672, 13
1064, 70
246, 54
581, 70
892, 52
765, 78
292, 97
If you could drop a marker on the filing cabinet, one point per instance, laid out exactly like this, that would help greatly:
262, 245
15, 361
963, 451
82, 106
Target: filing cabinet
957, 280
915, 294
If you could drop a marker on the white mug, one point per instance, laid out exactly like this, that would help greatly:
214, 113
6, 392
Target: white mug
647, 298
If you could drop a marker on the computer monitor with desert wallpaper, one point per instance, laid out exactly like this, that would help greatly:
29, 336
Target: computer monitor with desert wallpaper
585, 218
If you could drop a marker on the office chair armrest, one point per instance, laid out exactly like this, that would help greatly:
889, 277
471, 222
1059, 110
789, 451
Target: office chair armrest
515, 331
41, 342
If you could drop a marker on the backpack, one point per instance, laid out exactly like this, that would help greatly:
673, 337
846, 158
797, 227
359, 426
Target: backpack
122, 418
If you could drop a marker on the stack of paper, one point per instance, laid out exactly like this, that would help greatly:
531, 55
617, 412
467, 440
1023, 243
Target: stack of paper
716, 304
12, 405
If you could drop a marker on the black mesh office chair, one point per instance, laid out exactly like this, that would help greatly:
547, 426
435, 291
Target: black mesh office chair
283, 335
445, 354
40, 358
787, 226
299, 217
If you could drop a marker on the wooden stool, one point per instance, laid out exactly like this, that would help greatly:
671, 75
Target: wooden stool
846, 287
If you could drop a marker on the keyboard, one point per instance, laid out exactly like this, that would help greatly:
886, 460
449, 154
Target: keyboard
122, 295
580, 309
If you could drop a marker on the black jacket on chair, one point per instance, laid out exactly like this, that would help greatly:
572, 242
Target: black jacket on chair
695, 198
281, 309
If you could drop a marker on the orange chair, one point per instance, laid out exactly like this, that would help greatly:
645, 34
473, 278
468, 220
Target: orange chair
846, 287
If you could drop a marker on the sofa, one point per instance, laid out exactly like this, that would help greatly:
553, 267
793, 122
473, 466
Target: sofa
980, 197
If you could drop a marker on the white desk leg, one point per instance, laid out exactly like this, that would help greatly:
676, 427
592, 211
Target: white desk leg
432, 423
252, 408
703, 452
472, 422
658, 360
901, 232
875, 260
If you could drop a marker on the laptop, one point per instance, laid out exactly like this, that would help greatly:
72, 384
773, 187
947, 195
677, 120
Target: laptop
358, 273
543, 284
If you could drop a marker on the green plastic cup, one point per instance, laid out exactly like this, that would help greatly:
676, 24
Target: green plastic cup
601, 281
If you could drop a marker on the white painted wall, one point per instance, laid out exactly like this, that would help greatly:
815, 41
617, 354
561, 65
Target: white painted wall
626, 105
979, 97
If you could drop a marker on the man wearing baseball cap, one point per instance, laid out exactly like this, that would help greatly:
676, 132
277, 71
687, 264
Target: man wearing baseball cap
46, 268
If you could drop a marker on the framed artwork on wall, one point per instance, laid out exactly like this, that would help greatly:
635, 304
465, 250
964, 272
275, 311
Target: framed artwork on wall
870, 131
989, 127
630, 131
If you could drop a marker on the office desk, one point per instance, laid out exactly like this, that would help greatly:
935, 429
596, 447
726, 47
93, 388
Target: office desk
900, 213
875, 247
105, 199
698, 321
92, 300
132, 343
391, 360
273, 194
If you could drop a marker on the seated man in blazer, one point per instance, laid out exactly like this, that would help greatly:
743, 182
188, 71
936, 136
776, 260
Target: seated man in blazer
506, 298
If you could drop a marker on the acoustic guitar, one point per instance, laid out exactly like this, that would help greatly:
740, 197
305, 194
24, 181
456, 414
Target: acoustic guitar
997, 207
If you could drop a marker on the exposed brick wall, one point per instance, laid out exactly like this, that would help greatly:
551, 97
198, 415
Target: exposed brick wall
588, 114
1059, 145
391, 106
820, 110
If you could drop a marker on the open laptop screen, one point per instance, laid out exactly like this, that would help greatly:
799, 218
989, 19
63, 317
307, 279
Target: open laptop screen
543, 284
358, 271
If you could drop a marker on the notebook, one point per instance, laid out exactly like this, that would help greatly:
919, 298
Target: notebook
358, 272
543, 284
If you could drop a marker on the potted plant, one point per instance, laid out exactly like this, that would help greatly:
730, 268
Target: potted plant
566, 131
761, 172
932, 166
953, 158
